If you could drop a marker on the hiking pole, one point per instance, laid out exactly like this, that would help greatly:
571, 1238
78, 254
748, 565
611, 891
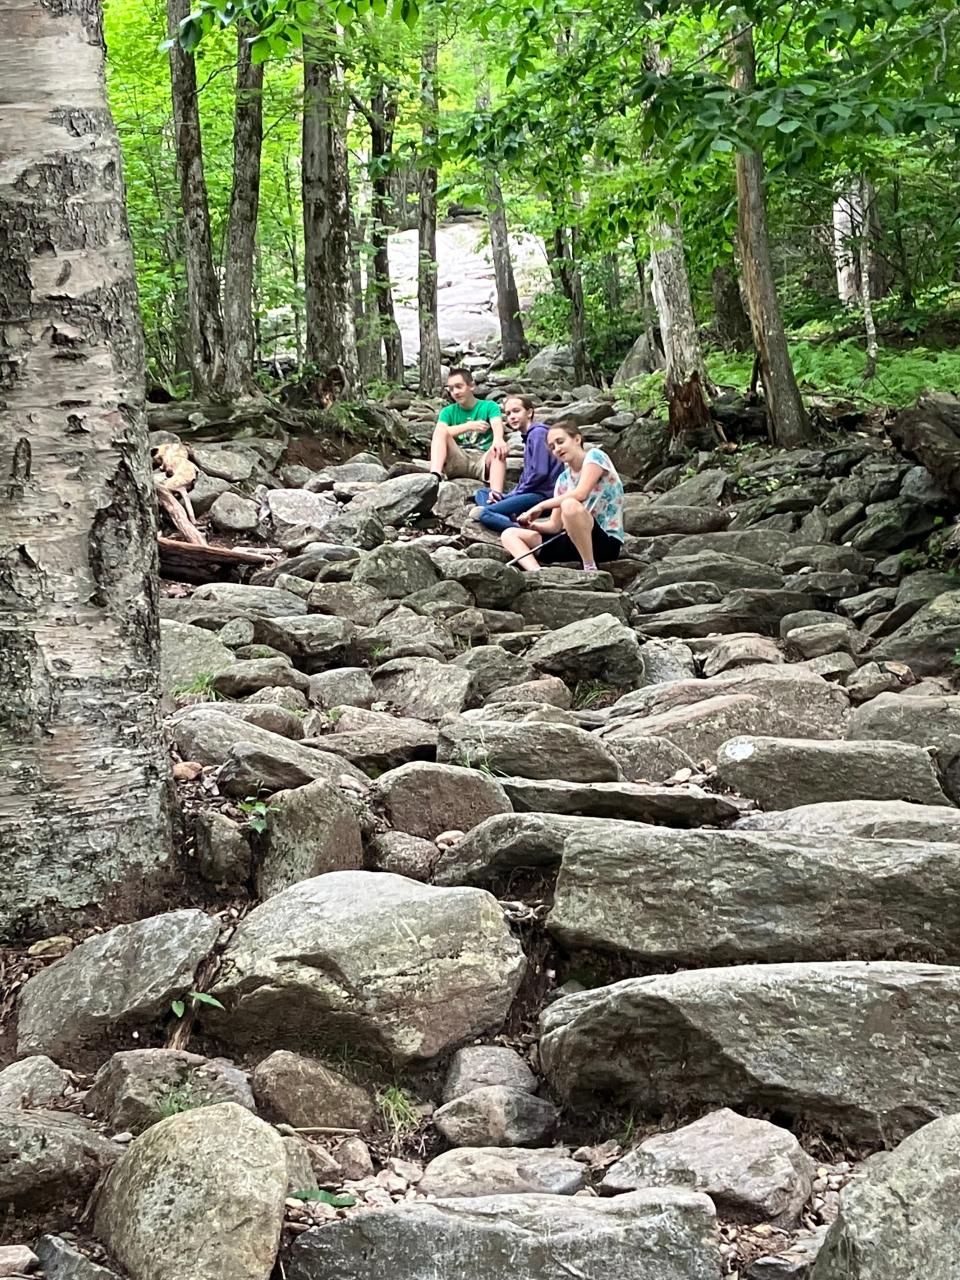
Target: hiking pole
534, 551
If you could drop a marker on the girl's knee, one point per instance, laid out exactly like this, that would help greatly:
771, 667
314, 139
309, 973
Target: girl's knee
571, 507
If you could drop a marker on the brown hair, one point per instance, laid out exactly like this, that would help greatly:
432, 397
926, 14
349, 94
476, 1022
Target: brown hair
524, 400
465, 374
569, 427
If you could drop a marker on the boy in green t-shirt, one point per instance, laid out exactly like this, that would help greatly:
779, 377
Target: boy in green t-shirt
474, 425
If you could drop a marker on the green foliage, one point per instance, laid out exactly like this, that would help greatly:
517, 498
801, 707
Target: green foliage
201, 687
399, 1112
179, 1007
180, 1099
257, 812
593, 693
342, 1201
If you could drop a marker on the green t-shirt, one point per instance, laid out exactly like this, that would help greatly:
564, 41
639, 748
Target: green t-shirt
483, 411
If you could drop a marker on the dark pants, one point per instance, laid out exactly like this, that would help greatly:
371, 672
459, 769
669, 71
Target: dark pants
498, 515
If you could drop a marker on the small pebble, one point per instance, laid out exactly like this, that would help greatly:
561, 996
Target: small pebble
126, 1136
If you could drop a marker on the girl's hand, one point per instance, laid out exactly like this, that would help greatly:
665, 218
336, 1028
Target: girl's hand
525, 517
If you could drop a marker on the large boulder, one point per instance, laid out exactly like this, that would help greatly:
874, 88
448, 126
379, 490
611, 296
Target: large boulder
677, 806
552, 366
529, 750
424, 688
666, 1233
554, 608
496, 1115
697, 729
36, 1081
729, 572
600, 647
898, 1218
426, 799
929, 640
308, 1094
480, 1065
780, 773
645, 519
930, 432
317, 641
200, 1193
376, 740
189, 656
310, 830
778, 1037
396, 570
749, 1168
504, 844
371, 959
125, 977
926, 722
397, 501
658, 896
240, 600
49, 1156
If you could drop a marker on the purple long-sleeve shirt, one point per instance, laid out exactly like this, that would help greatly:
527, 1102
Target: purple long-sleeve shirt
540, 467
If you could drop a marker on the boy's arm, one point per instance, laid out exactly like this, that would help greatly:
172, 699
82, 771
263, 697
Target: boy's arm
499, 448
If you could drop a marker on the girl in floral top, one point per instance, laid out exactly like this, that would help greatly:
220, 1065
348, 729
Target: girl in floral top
586, 509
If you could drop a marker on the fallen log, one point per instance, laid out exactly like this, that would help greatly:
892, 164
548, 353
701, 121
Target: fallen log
194, 562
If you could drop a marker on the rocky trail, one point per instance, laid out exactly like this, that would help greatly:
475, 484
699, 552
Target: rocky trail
566, 924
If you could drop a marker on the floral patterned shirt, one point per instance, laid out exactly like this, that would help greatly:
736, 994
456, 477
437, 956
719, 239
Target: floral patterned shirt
605, 500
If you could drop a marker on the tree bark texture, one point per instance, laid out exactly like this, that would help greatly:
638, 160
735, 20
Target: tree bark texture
203, 285
331, 343
513, 340
84, 781
688, 384
427, 227
242, 227
566, 272
847, 220
731, 320
383, 115
788, 420
865, 263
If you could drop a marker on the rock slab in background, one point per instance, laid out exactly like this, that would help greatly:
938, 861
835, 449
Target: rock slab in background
494, 1171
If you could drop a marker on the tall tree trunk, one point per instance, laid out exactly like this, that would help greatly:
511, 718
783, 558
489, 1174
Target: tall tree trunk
331, 334
427, 225
513, 341
688, 384
242, 228
731, 320
84, 781
789, 424
562, 257
383, 115
292, 245
865, 264
847, 220
203, 287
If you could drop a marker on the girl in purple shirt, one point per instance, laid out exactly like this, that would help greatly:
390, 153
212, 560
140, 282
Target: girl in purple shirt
538, 477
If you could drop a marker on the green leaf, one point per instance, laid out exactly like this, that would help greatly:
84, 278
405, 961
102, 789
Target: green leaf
721, 144
325, 1197
178, 1007
201, 997
788, 126
771, 116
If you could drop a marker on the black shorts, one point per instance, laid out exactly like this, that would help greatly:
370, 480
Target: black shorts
560, 550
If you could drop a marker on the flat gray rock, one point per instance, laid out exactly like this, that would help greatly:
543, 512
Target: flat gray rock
679, 806
879, 819
426, 799
50, 1157
248, 601
479, 1065
32, 1082
497, 1171
655, 895
310, 830
139, 1087
776, 1037
496, 1115
599, 647
781, 773
662, 1234
189, 656
528, 750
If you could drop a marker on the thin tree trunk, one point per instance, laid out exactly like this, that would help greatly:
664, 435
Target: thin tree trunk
293, 252
864, 260
203, 287
242, 229
427, 226
331, 345
566, 272
383, 115
513, 341
789, 424
688, 384
847, 221
732, 321
84, 781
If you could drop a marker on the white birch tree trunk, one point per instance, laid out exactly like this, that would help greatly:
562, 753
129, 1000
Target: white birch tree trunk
84, 781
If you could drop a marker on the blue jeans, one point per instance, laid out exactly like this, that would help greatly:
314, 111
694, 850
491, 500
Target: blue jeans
498, 514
